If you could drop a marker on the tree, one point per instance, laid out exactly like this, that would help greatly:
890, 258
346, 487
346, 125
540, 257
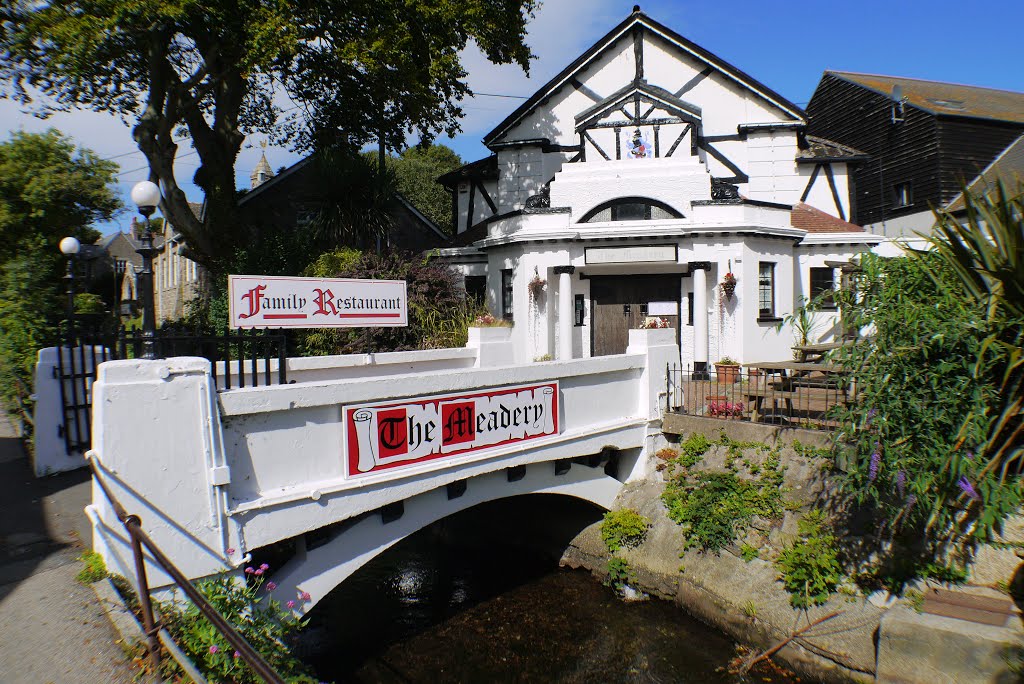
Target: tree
417, 170
48, 191
359, 71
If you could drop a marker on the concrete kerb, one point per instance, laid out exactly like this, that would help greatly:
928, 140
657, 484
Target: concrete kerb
131, 631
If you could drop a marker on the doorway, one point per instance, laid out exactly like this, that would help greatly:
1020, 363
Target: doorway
621, 303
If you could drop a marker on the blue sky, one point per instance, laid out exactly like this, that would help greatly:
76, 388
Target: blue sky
785, 45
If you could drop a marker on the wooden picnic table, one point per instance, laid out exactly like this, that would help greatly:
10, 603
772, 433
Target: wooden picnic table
813, 352
792, 375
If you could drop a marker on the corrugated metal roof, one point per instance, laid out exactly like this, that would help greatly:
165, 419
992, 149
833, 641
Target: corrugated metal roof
949, 99
1008, 167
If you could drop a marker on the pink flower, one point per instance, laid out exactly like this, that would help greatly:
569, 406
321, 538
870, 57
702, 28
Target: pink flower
214, 649
290, 604
264, 567
237, 654
258, 571
305, 596
271, 586
231, 552
249, 570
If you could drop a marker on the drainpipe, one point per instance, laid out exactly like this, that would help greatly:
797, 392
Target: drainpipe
565, 311
700, 319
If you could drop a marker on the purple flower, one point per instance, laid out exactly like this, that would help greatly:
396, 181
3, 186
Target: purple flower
901, 483
911, 500
258, 571
237, 654
970, 455
264, 567
271, 586
876, 461
305, 596
290, 604
871, 416
967, 488
249, 570
214, 649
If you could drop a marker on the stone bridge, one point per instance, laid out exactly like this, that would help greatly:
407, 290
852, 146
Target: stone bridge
360, 451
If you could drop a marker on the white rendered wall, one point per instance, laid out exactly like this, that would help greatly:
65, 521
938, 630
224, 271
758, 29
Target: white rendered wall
50, 453
820, 195
481, 210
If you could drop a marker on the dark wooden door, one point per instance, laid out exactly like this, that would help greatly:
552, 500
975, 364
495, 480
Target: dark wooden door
621, 303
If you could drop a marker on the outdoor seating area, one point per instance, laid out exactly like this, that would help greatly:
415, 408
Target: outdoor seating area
800, 393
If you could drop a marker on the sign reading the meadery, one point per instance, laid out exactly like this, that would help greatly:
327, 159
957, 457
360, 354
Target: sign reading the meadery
387, 435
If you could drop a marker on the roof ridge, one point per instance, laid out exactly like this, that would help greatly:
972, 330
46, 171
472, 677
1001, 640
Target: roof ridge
923, 80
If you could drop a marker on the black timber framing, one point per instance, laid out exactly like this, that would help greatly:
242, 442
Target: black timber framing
486, 196
810, 183
738, 177
835, 191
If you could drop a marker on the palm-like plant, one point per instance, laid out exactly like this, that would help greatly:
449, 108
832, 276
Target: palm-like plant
984, 250
354, 199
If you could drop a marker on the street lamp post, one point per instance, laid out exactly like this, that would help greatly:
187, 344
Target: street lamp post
146, 196
69, 247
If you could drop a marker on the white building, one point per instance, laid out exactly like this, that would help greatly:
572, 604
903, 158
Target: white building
632, 183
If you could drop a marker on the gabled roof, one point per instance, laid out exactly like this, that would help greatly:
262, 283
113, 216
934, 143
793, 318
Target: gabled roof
813, 220
821, 150
948, 99
648, 93
1008, 167
639, 20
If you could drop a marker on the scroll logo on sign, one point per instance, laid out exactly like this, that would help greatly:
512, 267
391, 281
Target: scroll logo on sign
283, 302
388, 435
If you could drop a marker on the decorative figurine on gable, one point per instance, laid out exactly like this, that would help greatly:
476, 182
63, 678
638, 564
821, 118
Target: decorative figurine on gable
639, 148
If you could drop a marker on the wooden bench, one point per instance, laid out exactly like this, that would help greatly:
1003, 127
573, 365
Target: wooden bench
757, 397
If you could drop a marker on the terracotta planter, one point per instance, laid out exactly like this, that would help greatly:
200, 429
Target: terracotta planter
727, 373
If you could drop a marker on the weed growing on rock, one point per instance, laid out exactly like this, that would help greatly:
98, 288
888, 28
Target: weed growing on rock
810, 567
619, 573
749, 609
714, 508
695, 446
748, 552
624, 528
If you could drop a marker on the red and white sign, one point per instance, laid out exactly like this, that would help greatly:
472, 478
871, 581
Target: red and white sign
283, 302
384, 435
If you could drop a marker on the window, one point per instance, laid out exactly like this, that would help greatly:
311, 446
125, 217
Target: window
689, 309
903, 195
476, 288
766, 290
506, 293
823, 287
630, 209
579, 310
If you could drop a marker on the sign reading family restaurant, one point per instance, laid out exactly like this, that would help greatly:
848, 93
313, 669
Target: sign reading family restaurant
390, 435
284, 302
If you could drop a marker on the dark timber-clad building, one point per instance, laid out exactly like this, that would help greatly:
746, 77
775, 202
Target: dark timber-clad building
923, 139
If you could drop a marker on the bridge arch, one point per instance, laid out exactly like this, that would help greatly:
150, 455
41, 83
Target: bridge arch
318, 571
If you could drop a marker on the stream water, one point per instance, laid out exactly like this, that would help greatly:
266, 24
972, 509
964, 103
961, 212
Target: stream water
479, 598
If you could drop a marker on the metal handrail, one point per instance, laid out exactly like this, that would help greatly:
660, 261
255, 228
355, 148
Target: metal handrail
139, 538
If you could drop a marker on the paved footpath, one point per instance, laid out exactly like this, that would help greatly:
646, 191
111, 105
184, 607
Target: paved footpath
52, 629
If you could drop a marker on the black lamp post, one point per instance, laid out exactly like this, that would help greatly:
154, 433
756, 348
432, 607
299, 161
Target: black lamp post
69, 247
120, 267
146, 196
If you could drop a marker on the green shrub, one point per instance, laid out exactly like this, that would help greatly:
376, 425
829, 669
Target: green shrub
748, 552
95, 569
624, 528
714, 508
810, 567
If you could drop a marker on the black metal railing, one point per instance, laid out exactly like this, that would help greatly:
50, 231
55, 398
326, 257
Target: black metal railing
240, 359
805, 398
139, 539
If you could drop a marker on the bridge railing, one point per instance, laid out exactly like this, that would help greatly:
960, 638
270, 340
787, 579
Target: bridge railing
139, 539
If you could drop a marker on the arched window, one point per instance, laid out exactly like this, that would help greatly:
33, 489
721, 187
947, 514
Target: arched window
630, 209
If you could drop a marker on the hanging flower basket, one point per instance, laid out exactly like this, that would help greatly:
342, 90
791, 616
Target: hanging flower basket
536, 286
728, 285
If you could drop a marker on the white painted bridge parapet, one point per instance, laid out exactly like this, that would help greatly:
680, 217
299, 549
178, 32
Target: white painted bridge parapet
213, 475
